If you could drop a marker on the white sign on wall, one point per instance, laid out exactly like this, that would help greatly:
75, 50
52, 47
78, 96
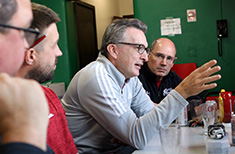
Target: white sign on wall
191, 15
170, 26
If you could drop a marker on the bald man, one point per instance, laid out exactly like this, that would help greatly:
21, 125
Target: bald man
156, 75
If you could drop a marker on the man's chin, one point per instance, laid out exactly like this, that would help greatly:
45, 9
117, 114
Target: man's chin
161, 74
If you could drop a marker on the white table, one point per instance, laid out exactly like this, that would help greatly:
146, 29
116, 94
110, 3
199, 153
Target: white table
193, 142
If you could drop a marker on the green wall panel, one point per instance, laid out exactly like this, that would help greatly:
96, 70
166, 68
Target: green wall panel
198, 41
72, 38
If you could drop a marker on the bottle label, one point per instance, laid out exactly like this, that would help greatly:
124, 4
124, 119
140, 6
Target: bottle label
182, 119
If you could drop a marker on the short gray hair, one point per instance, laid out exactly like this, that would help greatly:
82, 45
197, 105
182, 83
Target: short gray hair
115, 31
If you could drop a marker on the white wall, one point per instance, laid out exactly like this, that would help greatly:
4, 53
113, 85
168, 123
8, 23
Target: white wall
125, 7
105, 10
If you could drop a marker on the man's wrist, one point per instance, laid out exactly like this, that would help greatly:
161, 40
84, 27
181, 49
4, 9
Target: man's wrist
182, 92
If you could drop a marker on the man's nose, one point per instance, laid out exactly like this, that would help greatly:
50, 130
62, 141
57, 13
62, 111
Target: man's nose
58, 52
163, 61
144, 56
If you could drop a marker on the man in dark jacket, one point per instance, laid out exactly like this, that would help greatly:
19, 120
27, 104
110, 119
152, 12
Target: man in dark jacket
156, 75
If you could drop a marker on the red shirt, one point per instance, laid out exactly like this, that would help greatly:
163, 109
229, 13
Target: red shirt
59, 137
158, 83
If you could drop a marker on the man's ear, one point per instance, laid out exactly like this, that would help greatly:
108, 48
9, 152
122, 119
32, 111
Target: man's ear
112, 49
30, 56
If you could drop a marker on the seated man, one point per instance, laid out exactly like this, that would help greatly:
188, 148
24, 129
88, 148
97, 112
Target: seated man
156, 76
21, 129
106, 102
39, 64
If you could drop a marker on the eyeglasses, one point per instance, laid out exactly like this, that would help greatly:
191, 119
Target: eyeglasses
160, 56
38, 41
140, 47
29, 33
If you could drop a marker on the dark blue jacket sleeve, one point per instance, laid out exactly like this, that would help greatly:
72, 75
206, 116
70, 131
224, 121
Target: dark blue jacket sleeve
22, 148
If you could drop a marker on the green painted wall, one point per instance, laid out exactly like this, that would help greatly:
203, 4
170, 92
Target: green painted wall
67, 65
198, 41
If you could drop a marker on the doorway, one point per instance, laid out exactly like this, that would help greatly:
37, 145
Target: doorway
86, 33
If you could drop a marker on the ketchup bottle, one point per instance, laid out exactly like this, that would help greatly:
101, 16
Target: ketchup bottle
227, 101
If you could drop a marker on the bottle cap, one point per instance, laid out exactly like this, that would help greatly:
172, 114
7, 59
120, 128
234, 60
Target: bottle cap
222, 90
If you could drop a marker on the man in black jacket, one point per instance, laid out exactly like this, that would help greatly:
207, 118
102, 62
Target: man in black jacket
156, 75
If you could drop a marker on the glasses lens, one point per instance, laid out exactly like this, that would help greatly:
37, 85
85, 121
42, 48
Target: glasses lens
141, 49
30, 37
161, 57
148, 50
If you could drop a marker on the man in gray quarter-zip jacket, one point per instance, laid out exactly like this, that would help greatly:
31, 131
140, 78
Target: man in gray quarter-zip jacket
106, 106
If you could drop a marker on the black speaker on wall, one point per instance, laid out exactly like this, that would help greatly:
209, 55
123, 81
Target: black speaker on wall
222, 29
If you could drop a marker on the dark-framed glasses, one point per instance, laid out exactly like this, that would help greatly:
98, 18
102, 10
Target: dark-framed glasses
29, 33
140, 47
160, 56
